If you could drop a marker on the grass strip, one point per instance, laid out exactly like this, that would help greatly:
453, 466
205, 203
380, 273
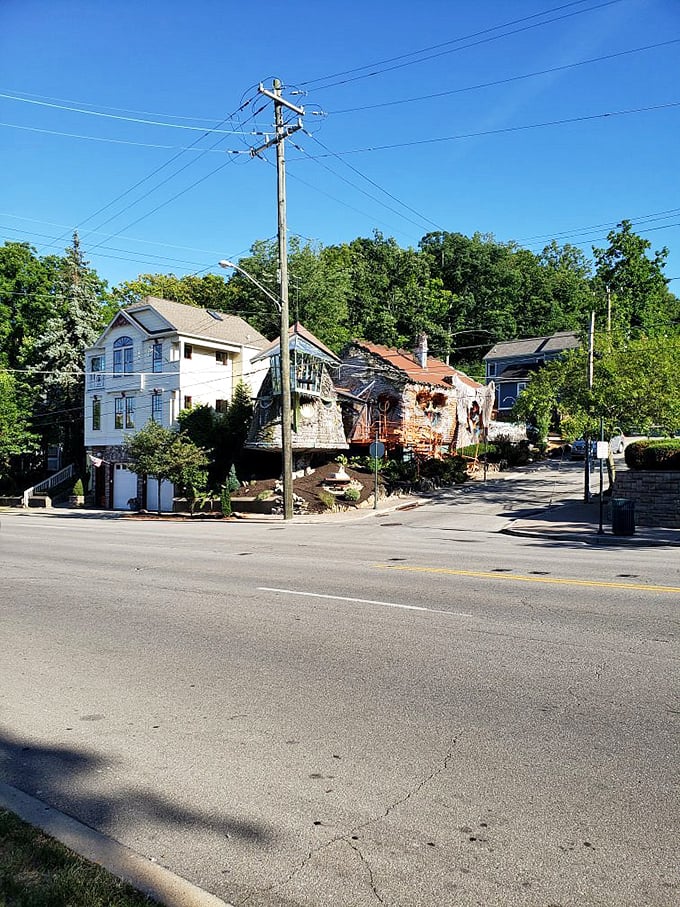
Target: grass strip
37, 871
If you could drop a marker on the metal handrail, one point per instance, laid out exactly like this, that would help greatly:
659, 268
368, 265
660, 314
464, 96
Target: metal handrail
56, 479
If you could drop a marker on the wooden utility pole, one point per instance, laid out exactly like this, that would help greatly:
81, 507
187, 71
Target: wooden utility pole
282, 131
591, 358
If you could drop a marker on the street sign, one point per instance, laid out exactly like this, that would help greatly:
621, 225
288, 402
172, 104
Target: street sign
377, 450
602, 451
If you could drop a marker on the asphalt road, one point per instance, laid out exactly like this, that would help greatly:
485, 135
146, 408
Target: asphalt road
405, 710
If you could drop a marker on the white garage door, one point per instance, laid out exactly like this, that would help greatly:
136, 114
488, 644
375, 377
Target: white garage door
167, 494
124, 486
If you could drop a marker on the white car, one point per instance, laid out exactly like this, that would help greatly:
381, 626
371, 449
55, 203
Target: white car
617, 441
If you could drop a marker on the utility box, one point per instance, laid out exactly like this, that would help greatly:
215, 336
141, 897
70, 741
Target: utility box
623, 516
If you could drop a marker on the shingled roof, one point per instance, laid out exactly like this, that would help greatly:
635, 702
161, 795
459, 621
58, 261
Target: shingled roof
435, 372
200, 323
535, 346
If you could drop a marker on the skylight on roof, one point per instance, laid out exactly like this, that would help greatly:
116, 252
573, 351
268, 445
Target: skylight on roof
215, 315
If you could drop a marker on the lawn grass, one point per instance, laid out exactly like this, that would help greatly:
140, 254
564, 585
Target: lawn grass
37, 871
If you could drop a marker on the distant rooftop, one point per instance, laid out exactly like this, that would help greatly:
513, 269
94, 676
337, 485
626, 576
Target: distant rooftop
535, 346
435, 372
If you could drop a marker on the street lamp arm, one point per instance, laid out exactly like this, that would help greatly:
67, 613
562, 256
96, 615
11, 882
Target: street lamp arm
230, 264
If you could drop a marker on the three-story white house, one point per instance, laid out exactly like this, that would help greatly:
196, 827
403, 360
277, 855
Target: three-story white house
154, 359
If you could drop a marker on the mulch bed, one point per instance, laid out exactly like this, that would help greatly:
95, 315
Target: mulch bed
308, 487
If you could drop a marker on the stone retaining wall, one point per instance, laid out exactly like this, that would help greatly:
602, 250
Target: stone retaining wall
656, 496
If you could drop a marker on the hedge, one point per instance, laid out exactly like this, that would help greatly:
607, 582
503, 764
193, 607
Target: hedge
659, 455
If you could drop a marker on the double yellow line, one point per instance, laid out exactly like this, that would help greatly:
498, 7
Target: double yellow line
518, 577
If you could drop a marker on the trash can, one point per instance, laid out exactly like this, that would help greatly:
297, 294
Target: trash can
623, 516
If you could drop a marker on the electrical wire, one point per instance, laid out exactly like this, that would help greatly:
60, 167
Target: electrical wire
97, 138
171, 116
506, 129
381, 68
112, 116
505, 81
380, 188
244, 103
657, 215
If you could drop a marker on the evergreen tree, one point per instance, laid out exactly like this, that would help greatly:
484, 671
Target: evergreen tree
58, 355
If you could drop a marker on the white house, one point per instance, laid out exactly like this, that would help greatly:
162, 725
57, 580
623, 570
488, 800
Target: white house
153, 360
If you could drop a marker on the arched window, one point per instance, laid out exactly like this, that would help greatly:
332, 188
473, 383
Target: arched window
122, 356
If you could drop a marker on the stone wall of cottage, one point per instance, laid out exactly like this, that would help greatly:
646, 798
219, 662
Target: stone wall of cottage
656, 495
420, 417
317, 420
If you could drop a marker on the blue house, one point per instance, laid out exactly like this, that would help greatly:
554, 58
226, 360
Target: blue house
512, 363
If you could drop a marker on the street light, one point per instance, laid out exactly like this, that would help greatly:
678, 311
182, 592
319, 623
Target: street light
286, 435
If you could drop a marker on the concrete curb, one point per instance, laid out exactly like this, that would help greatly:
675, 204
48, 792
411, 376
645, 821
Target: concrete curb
147, 877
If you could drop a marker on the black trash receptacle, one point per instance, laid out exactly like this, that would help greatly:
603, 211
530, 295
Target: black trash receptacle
623, 516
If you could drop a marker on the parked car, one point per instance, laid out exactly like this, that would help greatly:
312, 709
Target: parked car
578, 449
617, 442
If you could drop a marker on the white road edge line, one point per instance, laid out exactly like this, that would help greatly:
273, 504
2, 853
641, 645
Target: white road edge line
364, 601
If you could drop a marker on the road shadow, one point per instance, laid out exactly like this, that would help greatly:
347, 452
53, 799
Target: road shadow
69, 779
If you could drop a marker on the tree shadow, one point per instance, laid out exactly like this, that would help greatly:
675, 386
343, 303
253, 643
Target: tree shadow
67, 779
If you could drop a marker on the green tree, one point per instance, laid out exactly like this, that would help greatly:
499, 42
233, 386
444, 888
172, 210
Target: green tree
638, 289
166, 455
58, 353
637, 380
208, 291
15, 434
235, 426
28, 298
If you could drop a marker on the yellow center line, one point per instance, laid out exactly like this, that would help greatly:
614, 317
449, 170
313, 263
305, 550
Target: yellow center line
517, 577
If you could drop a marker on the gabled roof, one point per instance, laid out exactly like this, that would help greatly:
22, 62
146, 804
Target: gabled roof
535, 346
436, 371
196, 322
301, 340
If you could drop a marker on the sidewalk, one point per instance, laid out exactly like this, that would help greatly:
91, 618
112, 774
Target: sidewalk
572, 520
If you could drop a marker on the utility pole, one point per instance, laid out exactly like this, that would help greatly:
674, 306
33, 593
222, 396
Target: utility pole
282, 132
591, 357
609, 313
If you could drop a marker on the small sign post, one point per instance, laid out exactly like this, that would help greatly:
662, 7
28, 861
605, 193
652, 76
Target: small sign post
601, 453
377, 451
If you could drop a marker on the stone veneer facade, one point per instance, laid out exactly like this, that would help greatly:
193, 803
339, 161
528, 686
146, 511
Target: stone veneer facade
656, 495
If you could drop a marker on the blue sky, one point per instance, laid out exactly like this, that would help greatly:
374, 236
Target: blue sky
385, 154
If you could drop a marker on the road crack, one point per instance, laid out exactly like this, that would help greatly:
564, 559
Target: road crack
349, 837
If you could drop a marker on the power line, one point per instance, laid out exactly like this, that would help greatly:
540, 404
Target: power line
655, 215
112, 116
591, 240
380, 188
506, 129
363, 191
97, 138
400, 65
158, 169
340, 201
505, 81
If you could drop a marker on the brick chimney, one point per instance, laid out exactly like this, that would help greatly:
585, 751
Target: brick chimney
420, 352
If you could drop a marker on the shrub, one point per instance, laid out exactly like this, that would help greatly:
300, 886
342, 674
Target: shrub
657, 455
327, 499
78, 488
265, 495
233, 483
225, 501
478, 450
352, 494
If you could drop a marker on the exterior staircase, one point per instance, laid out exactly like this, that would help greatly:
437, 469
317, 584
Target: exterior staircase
38, 495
